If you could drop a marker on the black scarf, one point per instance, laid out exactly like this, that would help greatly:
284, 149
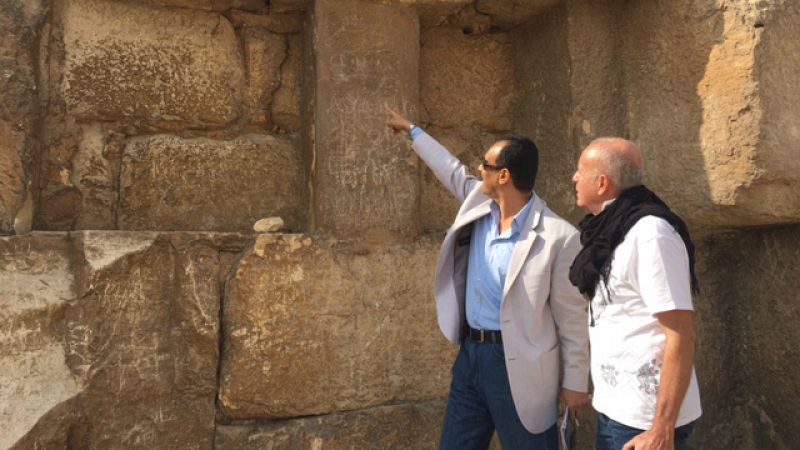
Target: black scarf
601, 234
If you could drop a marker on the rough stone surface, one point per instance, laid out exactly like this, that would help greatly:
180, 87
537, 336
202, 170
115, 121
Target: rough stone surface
169, 183
308, 330
12, 175
277, 23
666, 100
540, 111
467, 79
264, 54
95, 174
366, 55
19, 21
176, 66
286, 99
754, 291
36, 284
509, 13
151, 364
110, 339
211, 5
281, 6
406, 426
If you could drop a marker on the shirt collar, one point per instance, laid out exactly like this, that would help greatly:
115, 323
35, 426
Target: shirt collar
519, 219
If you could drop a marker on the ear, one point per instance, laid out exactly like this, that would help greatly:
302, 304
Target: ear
603, 185
504, 176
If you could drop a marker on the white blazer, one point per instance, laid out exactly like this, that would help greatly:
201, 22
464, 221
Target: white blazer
543, 317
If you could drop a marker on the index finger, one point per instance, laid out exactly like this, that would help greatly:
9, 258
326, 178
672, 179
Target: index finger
391, 111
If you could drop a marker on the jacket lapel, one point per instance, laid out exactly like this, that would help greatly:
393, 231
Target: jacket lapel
522, 249
472, 214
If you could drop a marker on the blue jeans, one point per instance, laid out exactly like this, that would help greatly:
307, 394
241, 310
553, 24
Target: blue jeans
480, 402
612, 435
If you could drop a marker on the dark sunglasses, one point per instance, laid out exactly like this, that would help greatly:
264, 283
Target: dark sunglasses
487, 166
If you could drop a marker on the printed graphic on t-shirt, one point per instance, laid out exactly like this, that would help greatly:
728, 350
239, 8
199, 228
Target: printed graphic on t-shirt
609, 374
635, 374
649, 377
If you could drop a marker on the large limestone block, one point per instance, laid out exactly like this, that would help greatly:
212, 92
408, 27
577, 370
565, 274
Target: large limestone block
315, 326
211, 5
710, 101
110, 339
178, 66
170, 183
264, 53
19, 22
509, 13
405, 426
365, 182
541, 110
285, 107
755, 292
467, 79
144, 335
12, 176
36, 284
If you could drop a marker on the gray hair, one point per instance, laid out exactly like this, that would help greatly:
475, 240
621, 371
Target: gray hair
617, 166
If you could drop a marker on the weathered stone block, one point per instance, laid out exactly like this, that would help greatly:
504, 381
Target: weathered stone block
110, 339
264, 53
366, 55
406, 426
176, 65
211, 5
12, 175
541, 111
36, 284
19, 22
509, 13
279, 6
169, 183
755, 336
286, 99
289, 23
710, 109
313, 327
144, 337
467, 79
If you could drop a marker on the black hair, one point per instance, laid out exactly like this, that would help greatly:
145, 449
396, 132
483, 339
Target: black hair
521, 157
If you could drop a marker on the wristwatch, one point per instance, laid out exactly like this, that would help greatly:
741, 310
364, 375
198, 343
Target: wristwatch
411, 129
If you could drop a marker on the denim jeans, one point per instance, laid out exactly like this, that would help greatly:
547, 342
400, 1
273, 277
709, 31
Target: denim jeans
612, 435
480, 402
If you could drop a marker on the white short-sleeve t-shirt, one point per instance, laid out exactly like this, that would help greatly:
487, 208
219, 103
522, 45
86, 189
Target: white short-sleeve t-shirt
649, 274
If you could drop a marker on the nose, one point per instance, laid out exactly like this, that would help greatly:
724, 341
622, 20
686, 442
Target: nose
575, 177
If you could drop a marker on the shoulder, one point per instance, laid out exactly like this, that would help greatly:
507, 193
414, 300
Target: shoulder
652, 227
553, 224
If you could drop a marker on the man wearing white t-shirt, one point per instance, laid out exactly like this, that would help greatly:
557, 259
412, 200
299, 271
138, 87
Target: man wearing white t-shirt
637, 269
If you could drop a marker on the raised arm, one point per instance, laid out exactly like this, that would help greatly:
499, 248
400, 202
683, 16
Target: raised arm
448, 169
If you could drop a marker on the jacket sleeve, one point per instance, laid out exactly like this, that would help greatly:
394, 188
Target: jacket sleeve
570, 312
448, 169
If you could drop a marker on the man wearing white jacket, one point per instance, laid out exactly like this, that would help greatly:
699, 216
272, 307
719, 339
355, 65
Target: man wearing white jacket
502, 293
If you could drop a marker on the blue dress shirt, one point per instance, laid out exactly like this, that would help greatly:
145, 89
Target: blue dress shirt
489, 255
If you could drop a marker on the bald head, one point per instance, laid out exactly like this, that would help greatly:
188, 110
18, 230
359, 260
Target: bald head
619, 159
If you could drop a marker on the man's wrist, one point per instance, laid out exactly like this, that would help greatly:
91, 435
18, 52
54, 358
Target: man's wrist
414, 131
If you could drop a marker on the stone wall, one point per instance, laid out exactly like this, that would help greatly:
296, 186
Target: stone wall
141, 139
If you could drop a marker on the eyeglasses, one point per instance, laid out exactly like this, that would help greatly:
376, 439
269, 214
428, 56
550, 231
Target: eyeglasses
486, 166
